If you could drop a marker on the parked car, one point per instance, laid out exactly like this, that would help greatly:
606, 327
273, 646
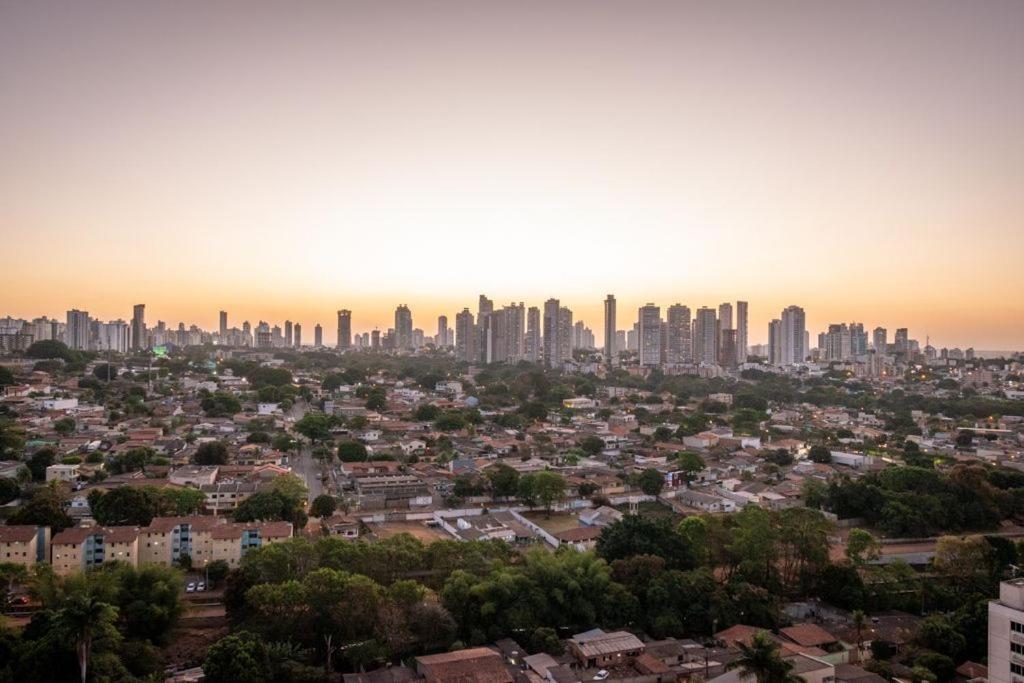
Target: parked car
191, 587
201, 586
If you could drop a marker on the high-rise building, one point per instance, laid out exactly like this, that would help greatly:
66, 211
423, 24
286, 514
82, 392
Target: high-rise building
287, 332
794, 336
465, 336
705, 333
620, 342
344, 329
902, 342
76, 331
564, 334
836, 344
678, 337
858, 339
551, 330
531, 345
495, 337
375, 340
649, 320
1006, 633
880, 339
442, 332
297, 339
742, 339
729, 353
724, 323
775, 342
515, 332
223, 326
611, 353
403, 328
485, 307
318, 336
113, 336
139, 326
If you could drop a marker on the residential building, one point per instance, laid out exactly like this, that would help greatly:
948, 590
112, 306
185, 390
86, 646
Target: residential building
649, 320
345, 329
705, 328
610, 350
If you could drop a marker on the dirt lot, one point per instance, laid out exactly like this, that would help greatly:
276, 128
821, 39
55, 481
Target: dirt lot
415, 529
557, 523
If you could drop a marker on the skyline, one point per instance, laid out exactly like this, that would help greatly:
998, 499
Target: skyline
625, 319
284, 163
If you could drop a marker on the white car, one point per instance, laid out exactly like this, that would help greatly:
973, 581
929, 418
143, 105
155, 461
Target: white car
601, 675
191, 587
201, 586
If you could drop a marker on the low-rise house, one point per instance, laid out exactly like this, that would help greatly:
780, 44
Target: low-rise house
24, 544
473, 665
62, 472
598, 649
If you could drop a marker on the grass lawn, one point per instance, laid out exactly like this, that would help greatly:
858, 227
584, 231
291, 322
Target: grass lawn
651, 509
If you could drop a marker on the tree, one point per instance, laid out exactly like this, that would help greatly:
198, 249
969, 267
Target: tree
504, 480
6, 377
636, 535
12, 439
9, 490
64, 426
352, 451
83, 619
323, 506
591, 445
548, 487
217, 571
126, 506
39, 461
820, 454
221, 404
760, 659
651, 481
862, 547
105, 372
689, 463
180, 502
315, 426
11, 574
237, 658
211, 453
52, 348
46, 508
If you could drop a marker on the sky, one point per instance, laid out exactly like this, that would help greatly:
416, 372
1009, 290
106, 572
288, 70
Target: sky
283, 160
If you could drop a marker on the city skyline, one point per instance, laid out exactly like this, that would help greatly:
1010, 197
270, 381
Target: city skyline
626, 317
692, 152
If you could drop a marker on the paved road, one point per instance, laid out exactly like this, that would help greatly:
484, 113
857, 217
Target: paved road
309, 469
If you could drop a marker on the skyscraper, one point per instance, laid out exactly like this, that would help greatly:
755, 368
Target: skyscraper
139, 326
742, 339
794, 335
775, 342
679, 338
515, 332
728, 358
531, 345
902, 341
223, 326
724, 323
564, 334
610, 352
649, 320
318, 336
344, 329
705, 332
442, 332
287, 332
880, 339
297, 339
465, 336
76, 331
551, 329
403, 328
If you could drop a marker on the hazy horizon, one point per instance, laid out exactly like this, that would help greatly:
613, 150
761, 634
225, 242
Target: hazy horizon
861, 160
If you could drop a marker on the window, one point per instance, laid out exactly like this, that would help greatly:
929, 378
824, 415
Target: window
1017, 648
1016, 627
1017, 669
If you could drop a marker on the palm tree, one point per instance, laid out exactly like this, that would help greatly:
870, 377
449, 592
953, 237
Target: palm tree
760, 658
84, 618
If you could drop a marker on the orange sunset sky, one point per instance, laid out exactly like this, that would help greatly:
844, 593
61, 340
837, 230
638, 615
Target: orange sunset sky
864, 160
